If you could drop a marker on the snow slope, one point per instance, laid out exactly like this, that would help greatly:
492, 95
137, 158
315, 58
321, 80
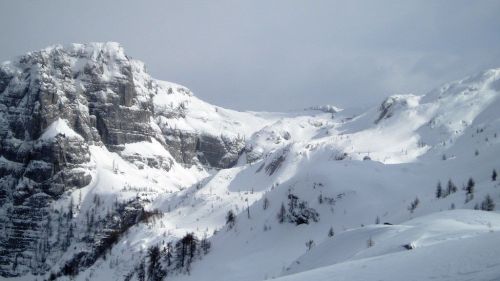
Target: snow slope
353, 168
406, 148
60, 126
451, 245
411, 137
430, 231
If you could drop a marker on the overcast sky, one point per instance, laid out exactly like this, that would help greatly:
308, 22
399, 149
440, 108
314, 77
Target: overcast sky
275, 55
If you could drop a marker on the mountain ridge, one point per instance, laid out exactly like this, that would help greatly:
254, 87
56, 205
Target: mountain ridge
94, 151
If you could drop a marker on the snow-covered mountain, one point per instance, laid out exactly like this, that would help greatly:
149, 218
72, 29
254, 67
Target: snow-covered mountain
110, 174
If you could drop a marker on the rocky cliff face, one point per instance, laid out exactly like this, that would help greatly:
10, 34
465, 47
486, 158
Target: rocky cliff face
56, 102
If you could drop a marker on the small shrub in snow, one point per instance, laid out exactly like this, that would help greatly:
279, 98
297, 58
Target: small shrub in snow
329, 200
331, 233
370, 242
340, 157
282, 214
299, 212
413, 205
52, 276
494, 175
265, 203
488, 204
309, 244
409, 246
230, 219
451, 188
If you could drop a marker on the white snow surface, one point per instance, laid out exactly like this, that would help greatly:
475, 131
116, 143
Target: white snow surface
450, 245
59, 127
364, 164
406, 148
144, 148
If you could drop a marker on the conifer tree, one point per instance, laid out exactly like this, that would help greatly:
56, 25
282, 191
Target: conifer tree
451, 188
488, 204
470, 185
230, 219
155, 271
309, 244
141, 271
469, 189
180, 254
70, 210
282, 213
205, 245
192, 246
330, 232
185, 250
265, 203
413, 205
439, 190
169, 249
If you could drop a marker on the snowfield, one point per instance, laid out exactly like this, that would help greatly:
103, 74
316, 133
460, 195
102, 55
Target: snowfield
318, 194
448, 245
412, 143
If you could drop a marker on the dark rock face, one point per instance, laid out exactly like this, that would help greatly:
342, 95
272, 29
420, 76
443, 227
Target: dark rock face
21, 232
36, 91
389, 106
104, 98
182, 145
277, 161
43, 87
220, 151
213, 151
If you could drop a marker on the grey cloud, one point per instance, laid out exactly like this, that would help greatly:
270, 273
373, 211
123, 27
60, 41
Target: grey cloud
275, 55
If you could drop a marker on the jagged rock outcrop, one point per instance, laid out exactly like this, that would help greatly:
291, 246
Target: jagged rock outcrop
394, 103
191, 145
214, 151
57, 102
